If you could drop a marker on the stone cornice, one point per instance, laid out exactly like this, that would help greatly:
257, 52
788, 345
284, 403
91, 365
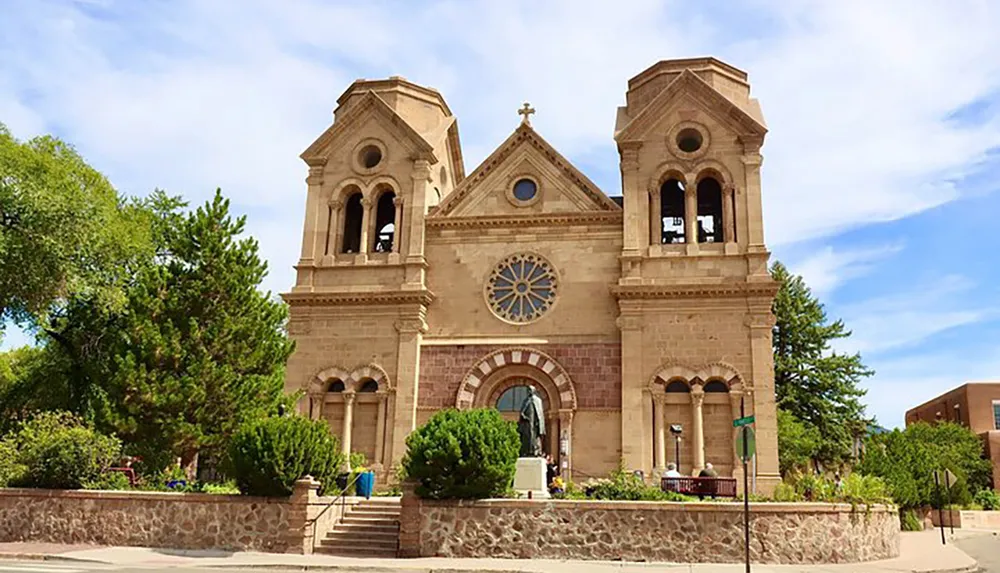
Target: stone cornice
626, 292
423, 296
533, 220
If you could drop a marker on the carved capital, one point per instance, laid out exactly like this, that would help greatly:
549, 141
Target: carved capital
760, 321
421, 170
752, 159
728, 189
349, 398
366, 203
697, 396
315, 176
397, 201
630, 156
299, 326
628, 322
659, 398
336, 204
411, 325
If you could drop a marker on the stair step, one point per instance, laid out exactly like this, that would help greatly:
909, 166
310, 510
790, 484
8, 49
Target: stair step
373, 529
353, 533
361, 542
373, 515
353, 519
352, 550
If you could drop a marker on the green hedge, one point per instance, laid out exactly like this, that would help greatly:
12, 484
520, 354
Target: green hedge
469, 454
266, 456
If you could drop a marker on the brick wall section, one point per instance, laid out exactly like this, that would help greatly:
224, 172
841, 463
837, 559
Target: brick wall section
594, 368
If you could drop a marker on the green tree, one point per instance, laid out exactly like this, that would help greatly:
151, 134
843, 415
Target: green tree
816, 384
63, 230
907, 459
196, 350
798, 444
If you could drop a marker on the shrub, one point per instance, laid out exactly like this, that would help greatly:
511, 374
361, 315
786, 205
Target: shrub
57, 451
909, 521
988, 499
267, 455
623, 485
469, 454
859, 489
785, 492
109, 481
10, 468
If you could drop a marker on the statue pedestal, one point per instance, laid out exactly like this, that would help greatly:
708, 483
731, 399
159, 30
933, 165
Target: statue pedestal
530, 476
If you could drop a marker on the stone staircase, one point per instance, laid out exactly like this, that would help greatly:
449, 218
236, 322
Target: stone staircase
369, 529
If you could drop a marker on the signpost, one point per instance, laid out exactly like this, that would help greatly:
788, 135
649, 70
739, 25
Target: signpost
944, 478
745, 445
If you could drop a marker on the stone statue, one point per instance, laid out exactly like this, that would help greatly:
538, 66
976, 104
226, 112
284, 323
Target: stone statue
531, 425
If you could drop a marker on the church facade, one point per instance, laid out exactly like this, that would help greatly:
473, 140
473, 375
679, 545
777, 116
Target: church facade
421, 287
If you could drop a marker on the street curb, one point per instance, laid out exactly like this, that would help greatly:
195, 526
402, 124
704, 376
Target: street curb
354, 568
48, 557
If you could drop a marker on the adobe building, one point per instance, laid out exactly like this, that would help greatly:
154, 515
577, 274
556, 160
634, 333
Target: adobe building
421, 287
975, 405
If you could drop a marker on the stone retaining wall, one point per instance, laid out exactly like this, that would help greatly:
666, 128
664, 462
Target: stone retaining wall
967, 519
649, 531
174, 520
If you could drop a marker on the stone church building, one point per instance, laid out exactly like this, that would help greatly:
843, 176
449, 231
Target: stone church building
422, 287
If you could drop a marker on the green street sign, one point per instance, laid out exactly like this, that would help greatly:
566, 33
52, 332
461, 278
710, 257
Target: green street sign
747, 434
745, 421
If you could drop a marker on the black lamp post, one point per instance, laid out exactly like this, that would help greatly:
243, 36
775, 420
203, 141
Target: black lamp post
677, 430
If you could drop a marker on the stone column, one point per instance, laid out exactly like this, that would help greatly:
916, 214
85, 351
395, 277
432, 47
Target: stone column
761, 323
301, 524
752, 162
566, 433
655, 219
728, 221
317, 402
380, 430
691, 215
411, 330
413, 223
698, 432
636, 428
312, 233
659, 425
366, 222
397, 224
333, 228
635, 200
345, 436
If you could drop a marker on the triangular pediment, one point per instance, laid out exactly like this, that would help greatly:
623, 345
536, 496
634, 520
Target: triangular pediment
689, 87
562, 187
369, 108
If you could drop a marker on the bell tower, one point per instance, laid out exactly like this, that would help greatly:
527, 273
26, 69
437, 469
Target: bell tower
694, 289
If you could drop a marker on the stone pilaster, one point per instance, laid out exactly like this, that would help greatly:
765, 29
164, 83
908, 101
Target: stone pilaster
636, 416
752, 162
301, 518
698, 432
312, 234
659, 428
760, 324
411, 330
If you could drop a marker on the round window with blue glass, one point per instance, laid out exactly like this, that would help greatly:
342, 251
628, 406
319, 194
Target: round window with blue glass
525, 189
521, 288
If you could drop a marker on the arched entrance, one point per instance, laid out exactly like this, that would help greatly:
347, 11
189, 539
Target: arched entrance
500, 380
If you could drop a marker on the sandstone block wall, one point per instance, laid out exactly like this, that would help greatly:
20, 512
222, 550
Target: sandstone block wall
647, 531
160, 519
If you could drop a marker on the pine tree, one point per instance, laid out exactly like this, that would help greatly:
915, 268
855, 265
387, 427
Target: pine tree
818, 386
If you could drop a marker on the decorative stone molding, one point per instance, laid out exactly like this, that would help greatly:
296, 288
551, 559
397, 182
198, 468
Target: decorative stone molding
696, 377
516, 356
627, 292
411, 325
315, 176
421, 170
710, 167
352, 379
629, 322
703, 131
518, 221
396, 297
761, 320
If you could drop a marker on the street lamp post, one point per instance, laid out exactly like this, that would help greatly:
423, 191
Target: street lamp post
677, 430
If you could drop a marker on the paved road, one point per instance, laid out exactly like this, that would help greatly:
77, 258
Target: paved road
983, 548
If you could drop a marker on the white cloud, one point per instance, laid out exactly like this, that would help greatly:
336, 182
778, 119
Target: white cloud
827, 268
909, 317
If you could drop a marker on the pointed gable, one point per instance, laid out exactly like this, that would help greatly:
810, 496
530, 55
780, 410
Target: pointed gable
689, 85
525, 153
369, 106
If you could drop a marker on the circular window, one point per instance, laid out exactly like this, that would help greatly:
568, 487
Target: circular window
525, 190
521, 288
370, 156
689, 140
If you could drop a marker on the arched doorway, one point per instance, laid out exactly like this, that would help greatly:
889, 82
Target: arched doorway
500, 380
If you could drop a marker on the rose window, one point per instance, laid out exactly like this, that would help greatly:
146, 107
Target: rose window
521, 288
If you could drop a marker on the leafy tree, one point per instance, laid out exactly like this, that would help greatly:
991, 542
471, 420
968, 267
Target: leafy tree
56, 450
816, 384
798, 444
196, 349
468, 454
63, 229
907, 459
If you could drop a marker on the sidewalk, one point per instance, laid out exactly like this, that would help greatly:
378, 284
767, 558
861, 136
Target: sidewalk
919, 552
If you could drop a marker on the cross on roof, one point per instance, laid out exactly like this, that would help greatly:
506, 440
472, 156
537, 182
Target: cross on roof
525, 113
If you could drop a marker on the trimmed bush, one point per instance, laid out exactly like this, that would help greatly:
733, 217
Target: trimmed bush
469, 454
988, 499
908, 521
55, 450
110, 481
10, 469
267, 455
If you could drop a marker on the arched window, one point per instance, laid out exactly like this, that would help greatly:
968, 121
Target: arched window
369, 386
678, 387
385, 217
512, 398
336, 386
354, 213
672, 212
716, 386
709, 211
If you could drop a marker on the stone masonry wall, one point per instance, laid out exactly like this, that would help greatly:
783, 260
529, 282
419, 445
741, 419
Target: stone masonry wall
647, 531
160, 519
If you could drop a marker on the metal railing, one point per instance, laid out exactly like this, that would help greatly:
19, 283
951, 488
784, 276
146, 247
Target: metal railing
342, 497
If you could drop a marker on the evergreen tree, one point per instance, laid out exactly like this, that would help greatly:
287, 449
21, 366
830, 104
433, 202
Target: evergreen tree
815, 384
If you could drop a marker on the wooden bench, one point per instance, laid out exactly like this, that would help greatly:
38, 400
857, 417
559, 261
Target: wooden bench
700, 486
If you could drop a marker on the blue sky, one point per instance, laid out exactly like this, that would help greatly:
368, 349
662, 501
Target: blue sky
880, 172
